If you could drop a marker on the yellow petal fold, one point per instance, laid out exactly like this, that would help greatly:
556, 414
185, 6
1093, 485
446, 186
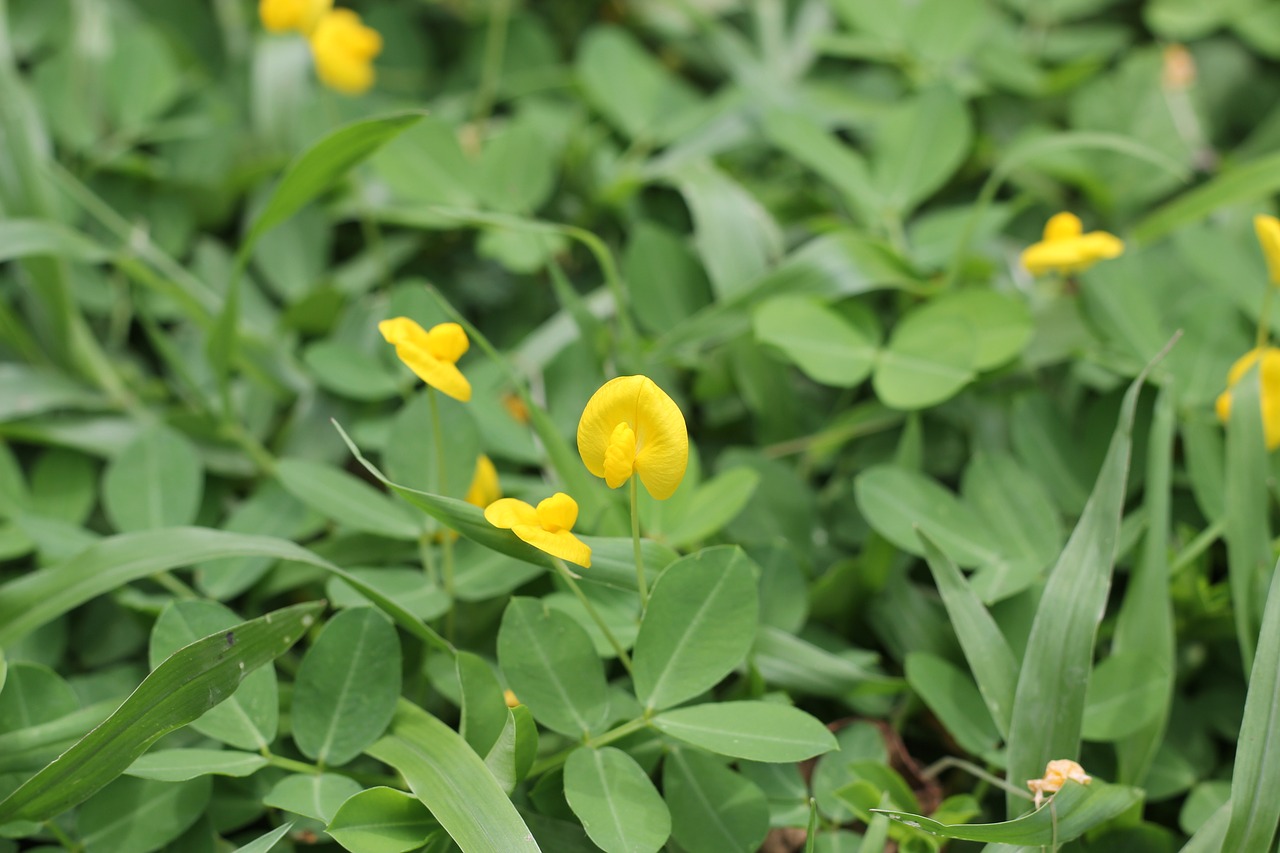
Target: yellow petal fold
343, 49
420, 351
509, 512
280, 16
1268, 230
620, 456
1268, 361
661, 437
1067, 250
558, 512
562, 543
485, 487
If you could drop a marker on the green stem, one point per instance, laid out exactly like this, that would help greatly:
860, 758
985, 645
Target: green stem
969, 767
428, 559
554, 761
56, 831
171, 583
641, 583
1196, 547
568, 577
442, 486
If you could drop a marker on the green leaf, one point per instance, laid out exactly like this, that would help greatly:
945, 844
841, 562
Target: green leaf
1247, 531
336, 494
409, 455
1070, 813
313, 795
1001, 323
141, 814
757, 731
990, 659
1255, 780
930, 356
665, 282
699, 625
918, 147
41, 596
188, 683
382, 820
615, 800
838, 164
346, 688
1125, 693
1238, 184
715, 503
631, 89
321, 165
179, 765
248, 719
551, 664
713, 809
825, 346
513, 753
953, 697
484, 710
27, 391
451, 780
21, 238
349, 371
264, 843
1048, 708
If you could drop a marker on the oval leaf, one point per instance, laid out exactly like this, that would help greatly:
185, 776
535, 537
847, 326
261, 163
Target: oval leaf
758, 731
382, 820
615, 800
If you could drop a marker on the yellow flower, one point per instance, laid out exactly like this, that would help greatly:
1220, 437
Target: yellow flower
344, 49
630, 426
546, 528
1056, 774
509, 696
432, 355
1268, 228
516, 408
279, 16
1269, 390
485, 488
1066, 249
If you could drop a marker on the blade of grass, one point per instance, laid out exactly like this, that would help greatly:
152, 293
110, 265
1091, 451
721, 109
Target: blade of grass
1048, 710
1255, 781
1246, 531
1145, 623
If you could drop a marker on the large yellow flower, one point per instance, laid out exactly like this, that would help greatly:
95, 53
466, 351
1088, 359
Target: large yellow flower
546, 528
630, 426
1268, 228
280, 16
344, 49
433, 355
1067, 249
1268, 361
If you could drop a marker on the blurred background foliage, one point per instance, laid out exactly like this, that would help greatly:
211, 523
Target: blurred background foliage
801, 217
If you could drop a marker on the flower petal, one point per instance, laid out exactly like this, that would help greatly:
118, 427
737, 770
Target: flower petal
1099, 245
447, 342
485, 488
509, 513
612, 404
1268, 229
558, 512
1063, 226
620, 456
662, 442
440, 375
562, 543
402, 330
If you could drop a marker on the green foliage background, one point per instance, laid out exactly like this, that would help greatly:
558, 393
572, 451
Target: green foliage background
955, 519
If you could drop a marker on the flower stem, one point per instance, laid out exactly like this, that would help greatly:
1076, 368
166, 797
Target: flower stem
554, 761
568, 577
446, 540
641, 584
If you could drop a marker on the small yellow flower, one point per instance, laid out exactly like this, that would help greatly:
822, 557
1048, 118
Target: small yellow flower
485, 488
630, 426
344, 49
1268, 361
546, 528
516, 408
1056, 774
509, 696
1268, 228
432, 355
280, 16
1066, 249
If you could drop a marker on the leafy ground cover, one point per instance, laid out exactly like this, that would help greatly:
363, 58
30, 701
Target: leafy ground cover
944, 465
